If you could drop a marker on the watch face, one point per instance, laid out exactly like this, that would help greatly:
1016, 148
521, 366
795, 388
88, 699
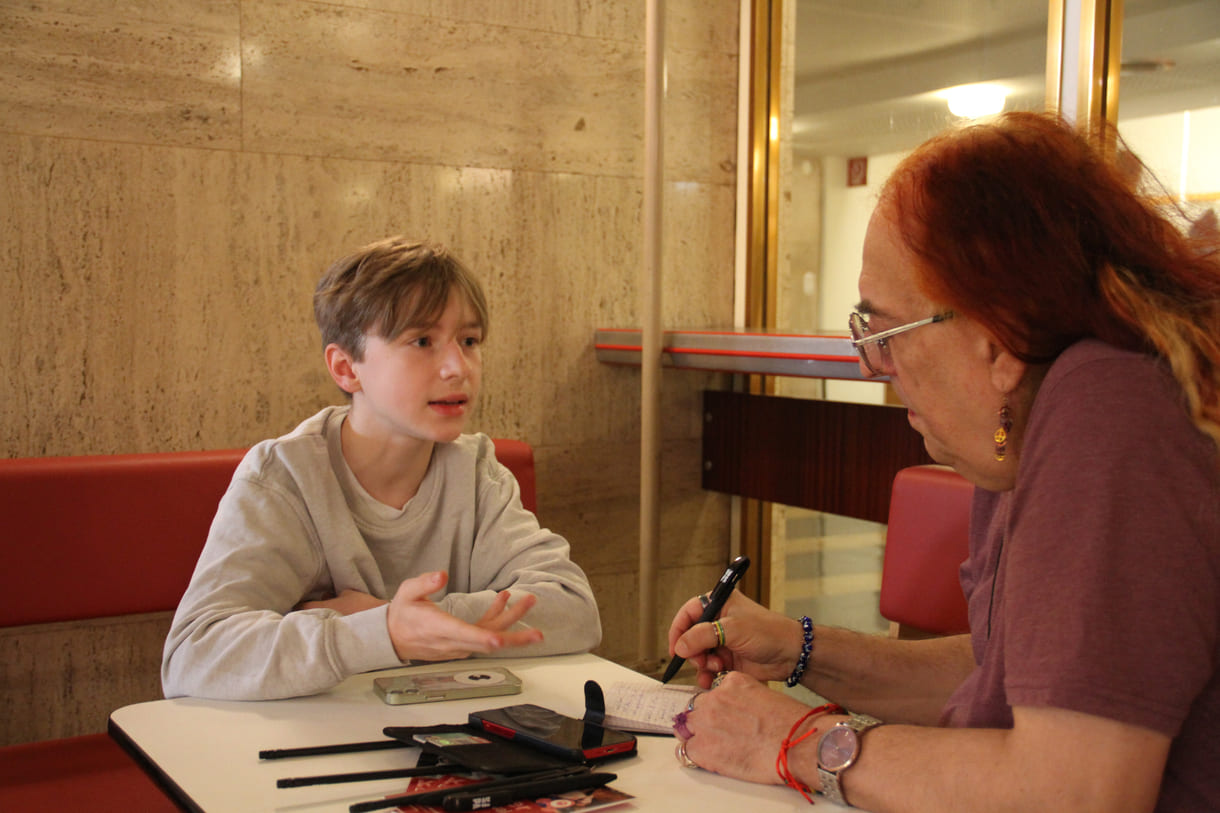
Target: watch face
838, 748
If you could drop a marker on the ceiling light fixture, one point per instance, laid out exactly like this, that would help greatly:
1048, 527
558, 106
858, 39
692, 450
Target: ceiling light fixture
974, 101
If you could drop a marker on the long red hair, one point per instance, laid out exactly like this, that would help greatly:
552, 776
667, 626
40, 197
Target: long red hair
1039, 233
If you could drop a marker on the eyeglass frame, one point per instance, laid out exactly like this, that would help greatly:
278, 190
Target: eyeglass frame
861, 336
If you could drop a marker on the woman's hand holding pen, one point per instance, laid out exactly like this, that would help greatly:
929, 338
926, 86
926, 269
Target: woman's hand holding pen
421, 630
757, 641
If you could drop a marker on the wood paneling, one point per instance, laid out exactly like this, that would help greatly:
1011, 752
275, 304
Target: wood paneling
823, 455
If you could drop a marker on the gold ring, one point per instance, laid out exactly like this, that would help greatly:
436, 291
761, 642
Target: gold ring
718, 625
716, 681
686, 761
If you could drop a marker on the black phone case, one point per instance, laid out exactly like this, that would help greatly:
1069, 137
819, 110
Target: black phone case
531, 724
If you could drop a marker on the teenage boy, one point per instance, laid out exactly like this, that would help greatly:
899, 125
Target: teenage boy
377, 533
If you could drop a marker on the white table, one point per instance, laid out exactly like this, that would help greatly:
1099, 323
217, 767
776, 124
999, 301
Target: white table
208, 749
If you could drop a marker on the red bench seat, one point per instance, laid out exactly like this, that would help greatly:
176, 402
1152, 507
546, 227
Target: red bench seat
99, 536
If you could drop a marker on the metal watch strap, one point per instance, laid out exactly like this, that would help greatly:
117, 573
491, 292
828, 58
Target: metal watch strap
831, 788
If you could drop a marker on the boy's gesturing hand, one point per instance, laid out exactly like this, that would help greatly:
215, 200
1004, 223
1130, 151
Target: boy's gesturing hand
421, 630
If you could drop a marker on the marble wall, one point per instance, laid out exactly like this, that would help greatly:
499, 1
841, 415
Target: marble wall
174, 175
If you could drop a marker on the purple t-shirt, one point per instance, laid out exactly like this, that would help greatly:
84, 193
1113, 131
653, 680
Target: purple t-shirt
1094, 585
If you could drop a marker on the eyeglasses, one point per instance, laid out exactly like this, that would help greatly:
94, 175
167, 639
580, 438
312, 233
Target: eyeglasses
874, 348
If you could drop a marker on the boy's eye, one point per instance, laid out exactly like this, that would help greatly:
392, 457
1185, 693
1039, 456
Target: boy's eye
472, 341
421, 341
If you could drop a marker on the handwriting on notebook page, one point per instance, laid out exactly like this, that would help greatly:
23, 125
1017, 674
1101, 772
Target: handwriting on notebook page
645, 707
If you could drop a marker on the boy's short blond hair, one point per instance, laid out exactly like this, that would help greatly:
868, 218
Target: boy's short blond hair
388, 287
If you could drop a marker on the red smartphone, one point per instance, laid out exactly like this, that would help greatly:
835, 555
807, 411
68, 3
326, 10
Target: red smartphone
555, 733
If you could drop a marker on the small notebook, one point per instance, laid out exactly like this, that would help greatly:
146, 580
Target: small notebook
647, 708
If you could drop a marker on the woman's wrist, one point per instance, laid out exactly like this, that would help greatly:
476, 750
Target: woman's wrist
805, 734
805, 652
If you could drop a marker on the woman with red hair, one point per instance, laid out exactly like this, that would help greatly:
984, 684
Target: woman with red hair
1055, 335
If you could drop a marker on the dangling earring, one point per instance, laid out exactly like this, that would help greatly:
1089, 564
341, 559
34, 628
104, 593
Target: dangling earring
1001, 433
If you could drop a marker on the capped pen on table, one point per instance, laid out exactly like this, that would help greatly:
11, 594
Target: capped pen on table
475, 799
368, 776
323, 750
529, 782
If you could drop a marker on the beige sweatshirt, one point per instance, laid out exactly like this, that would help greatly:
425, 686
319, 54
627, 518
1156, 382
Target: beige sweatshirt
295, 525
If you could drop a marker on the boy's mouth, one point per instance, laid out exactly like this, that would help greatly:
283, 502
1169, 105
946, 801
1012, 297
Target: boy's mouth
453, 406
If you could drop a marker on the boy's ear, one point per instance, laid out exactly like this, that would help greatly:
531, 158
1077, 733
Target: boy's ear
342, 368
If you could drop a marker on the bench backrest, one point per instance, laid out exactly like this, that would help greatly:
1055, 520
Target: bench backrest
926, 542
105, 535
518, 457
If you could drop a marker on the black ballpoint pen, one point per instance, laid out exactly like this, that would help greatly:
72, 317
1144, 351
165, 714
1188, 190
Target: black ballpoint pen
368, 776
475, 799
437, 797
720, 594
341, 748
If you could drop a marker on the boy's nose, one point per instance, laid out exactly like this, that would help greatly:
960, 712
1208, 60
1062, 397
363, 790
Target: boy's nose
454, 361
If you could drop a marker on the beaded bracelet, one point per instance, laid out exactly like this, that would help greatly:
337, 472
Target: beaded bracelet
807, 647
781, 759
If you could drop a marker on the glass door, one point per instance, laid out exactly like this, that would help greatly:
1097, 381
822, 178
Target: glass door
1169, 102
852, 85
864, 82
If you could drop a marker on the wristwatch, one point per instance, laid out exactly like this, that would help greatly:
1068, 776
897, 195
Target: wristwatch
838, 750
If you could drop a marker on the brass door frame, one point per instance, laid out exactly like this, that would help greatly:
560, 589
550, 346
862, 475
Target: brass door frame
762, 218
1082, 76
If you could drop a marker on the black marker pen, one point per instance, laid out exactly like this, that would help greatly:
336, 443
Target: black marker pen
720, 594
479, 800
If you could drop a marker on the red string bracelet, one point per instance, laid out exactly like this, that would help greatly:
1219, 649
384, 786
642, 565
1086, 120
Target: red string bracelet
781, 760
